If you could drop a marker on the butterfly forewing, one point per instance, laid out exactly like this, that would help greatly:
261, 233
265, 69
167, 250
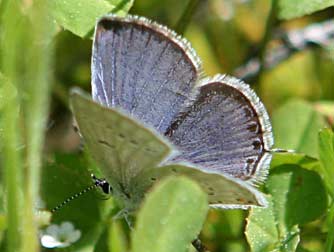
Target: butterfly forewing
142, 67
121, 147
224, 130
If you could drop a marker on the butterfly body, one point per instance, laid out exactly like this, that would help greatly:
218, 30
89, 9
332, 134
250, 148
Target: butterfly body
153, 114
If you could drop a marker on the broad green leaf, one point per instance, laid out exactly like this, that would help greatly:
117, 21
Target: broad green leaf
296, 8
300, 159
79, 16
171, 217
326, 153
295, 126
64, 176
299, 195
264, 233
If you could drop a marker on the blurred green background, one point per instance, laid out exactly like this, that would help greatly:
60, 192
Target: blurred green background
298, 93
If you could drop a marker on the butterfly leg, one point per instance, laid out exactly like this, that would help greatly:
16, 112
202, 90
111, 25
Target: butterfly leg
128, 217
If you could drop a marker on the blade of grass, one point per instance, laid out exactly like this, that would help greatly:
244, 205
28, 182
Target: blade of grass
330, 234
271, 20
25, 61
38, 52
11, 24
187, 14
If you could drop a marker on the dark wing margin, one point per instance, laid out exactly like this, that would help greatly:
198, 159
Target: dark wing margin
225, 130
143, 68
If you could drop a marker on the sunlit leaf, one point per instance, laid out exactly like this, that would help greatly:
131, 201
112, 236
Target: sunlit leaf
298, 194
326, 153
79, 16
171, 217
292, 9
300, 159
265, 235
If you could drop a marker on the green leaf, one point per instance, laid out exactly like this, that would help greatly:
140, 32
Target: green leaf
79, 16
171, 217
291, 9
264, 234
326, 153
300, 159
298, 194
295, 126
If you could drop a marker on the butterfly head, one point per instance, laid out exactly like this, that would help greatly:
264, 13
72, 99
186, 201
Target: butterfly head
102, 183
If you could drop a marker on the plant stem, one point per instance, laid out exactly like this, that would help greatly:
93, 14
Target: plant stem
11, 24
13, 169
330, 234
186, 16
38, 53
266, 37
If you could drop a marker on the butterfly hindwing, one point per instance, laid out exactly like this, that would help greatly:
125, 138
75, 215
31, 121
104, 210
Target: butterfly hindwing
225, 130
223, 191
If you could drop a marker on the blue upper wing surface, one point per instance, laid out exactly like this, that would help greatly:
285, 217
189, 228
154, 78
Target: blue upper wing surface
143, 68
225, 129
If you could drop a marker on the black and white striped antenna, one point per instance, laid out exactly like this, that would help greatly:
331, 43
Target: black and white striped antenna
97, 183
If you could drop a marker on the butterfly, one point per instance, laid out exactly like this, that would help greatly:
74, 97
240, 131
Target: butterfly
154, 113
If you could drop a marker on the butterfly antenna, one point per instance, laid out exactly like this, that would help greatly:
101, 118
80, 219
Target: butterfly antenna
97, 183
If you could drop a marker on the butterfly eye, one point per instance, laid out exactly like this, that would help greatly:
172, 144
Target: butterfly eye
105, 186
